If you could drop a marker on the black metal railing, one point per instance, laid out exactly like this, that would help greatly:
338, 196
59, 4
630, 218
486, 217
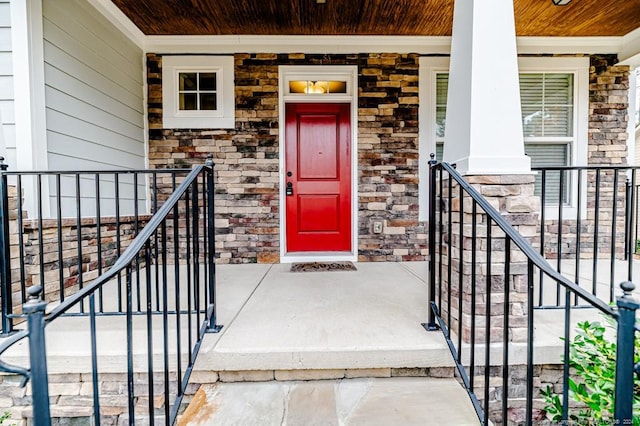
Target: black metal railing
63, 228
483, 276
165, 280
589, 228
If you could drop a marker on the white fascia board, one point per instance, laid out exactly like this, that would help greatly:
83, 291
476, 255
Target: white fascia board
120, 21
630, 52
289, 44
364, 44
568, 45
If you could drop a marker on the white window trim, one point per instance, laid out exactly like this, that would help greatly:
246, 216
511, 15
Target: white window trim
173, 117
578, 66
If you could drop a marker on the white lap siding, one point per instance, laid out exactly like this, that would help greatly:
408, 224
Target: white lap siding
94, 95
7, 112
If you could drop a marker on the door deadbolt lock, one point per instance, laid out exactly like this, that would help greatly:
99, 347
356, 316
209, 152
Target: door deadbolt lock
289, 189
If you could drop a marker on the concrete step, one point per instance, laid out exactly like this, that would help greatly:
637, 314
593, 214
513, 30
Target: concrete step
366, 401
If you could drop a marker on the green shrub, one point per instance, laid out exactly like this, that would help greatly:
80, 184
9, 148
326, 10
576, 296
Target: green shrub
592, 358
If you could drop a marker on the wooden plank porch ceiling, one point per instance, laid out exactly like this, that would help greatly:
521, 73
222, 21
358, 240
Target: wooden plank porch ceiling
369, 17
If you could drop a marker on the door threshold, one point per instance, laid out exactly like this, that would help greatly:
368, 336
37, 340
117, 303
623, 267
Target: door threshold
292, 257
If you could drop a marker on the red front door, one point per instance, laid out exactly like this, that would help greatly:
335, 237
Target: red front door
318, 177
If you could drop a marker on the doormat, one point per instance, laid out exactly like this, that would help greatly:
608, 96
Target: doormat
323, 266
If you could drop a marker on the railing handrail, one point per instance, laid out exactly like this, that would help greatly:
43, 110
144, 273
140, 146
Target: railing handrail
132, 250
524, 245
589, 167
92, 172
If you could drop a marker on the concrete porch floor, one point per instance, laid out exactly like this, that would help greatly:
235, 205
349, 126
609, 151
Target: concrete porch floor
280, 320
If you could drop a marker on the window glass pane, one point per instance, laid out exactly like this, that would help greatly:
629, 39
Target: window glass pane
188, 81
188, 101
337, 87
531, 89
547, 104
532, 120
439, 151
317, 87
441, 112
558, 121
442, 85
208, 81
558, 89
208, 102
550, 155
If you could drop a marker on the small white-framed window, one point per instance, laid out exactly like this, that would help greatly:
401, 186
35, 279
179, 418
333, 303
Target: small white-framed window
198, 92
554, 101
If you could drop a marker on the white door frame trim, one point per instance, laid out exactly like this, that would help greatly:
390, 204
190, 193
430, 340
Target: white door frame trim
317, 72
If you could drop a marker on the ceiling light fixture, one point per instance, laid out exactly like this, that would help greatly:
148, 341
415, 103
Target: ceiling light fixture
561, 2
321, 1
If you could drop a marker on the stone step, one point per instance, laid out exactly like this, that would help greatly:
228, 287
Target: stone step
363, 401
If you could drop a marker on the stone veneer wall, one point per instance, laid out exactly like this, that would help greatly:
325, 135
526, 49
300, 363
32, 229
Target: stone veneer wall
247, 157
607, 146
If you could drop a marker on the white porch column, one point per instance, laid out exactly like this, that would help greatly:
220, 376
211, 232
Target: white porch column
28, 77
30, 111
483, 124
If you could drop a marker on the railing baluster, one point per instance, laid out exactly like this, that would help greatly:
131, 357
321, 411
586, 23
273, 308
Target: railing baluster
565, 367
449, 253
529, 391
94, 359
196, 248
632, 214
129, 316
460, 271
99, 237
440, 238
596, 236
149, 315
578, 231
155, 239
542, 232
40, 227
59, 233
5, 256
505, 328
559, 237
23, 277
116, 182
176, 283
165, 320
487, 337
472, 346
187, 221
136, 228
614, 223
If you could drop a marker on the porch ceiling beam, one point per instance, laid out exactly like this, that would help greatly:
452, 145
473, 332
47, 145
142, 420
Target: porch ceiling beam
483, 133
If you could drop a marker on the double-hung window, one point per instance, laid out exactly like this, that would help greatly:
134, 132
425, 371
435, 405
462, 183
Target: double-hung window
554, 103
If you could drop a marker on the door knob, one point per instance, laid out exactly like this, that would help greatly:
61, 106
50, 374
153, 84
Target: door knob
289, 190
